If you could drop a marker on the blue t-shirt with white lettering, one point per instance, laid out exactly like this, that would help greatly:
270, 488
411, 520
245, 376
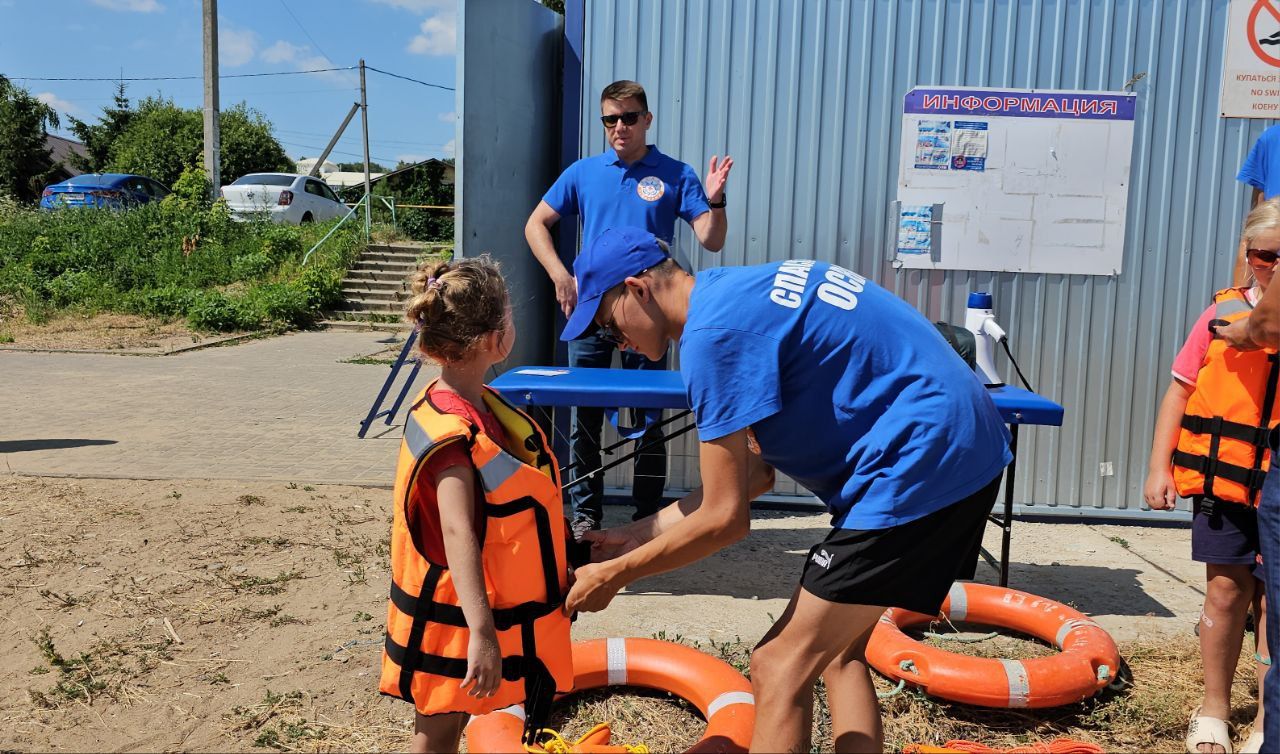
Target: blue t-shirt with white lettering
650, 193
1261, 169
847, 388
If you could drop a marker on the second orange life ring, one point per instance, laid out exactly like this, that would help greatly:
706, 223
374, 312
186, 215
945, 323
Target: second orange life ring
720, 693
1088, 660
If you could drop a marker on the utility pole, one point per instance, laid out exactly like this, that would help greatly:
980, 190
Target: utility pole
212, 133
364, 126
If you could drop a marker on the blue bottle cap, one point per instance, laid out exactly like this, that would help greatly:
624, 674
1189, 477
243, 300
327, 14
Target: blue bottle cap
979, 300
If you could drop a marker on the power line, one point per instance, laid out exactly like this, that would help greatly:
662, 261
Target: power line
189, 78
304, 29
406, 78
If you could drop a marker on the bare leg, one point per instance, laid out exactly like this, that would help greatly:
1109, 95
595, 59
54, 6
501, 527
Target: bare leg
1230, 590
855, 710
437, 733
811, 634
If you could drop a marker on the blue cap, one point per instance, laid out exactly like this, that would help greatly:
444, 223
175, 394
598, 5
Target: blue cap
614, 256
979, 300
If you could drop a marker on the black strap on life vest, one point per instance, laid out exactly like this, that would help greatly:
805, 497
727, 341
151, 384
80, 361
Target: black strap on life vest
540, 686
1216, 468
1217, 427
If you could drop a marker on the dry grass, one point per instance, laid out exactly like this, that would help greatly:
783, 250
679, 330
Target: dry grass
96, 332
1151, 715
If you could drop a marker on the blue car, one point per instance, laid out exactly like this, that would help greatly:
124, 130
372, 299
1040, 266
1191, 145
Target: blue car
110, 190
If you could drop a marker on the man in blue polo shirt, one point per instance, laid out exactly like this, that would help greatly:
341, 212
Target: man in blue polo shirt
1261, 171
838, 383
631, 185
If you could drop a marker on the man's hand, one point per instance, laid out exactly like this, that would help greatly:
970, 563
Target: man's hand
592, 590
1236, 335
607, 544
717, 176
566, 293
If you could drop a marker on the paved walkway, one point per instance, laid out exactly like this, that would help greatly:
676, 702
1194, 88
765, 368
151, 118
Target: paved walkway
288, 409
284, 408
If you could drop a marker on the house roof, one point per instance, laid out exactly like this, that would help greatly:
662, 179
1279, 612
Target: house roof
61, 150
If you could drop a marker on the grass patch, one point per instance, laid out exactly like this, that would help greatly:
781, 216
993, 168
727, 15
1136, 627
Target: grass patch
179, 258
107, 669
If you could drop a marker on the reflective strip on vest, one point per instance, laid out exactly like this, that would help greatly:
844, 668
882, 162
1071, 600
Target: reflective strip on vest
1231, 306
498, 470
416, 437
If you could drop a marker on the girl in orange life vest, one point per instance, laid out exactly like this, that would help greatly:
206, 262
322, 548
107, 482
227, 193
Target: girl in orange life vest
474, 621
1195, 455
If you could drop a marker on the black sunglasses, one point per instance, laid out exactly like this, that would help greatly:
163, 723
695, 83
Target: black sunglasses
1266, 256
628, 119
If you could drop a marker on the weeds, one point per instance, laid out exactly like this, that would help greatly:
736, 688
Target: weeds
175, 495
296, 509
265, 585
247, 500
1120, 541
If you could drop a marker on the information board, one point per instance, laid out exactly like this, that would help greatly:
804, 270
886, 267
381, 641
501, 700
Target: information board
1013, 180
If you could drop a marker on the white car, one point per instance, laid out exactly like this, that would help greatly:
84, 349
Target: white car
282, 198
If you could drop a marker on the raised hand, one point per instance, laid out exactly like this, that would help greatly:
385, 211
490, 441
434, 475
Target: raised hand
717, 176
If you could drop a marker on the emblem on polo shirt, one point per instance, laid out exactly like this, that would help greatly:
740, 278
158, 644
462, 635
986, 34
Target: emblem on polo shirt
651, 189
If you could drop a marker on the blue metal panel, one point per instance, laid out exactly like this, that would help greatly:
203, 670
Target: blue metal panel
807, 97
509, 107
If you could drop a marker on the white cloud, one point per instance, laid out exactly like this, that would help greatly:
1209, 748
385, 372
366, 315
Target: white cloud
419, 6
282, 52
59, 104
130, 6
448, 117
236, 46
448, 148
438, 35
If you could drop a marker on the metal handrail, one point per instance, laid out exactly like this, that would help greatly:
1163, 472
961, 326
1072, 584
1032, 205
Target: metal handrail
332, 230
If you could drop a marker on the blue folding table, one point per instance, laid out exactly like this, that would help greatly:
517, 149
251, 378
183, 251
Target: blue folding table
611, 388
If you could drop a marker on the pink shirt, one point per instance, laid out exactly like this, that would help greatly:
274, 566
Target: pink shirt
1186, 365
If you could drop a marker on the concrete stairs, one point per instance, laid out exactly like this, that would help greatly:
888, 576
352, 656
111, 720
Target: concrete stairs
376, 288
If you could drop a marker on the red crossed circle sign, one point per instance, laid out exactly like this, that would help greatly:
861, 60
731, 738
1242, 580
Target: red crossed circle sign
1251, 30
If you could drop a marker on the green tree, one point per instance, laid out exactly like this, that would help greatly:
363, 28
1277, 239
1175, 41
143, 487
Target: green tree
162, 139
99, 137
358, 167
25, 163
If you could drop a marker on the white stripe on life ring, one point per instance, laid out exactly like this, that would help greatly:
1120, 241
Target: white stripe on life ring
616, 652
1019, 683
959, 602
1069, 626
727, 698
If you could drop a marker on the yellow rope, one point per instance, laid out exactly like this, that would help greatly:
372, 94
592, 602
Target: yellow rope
553, 743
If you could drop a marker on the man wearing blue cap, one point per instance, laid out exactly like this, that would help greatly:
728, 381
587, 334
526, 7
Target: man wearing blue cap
631, 184
811, 369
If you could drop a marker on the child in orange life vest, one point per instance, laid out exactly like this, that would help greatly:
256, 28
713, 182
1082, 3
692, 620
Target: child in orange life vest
1221, 466
479, 576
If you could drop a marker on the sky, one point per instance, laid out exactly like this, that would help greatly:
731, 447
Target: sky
141, 38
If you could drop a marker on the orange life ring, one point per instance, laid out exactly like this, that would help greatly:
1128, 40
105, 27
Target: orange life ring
1088, 660
720, 693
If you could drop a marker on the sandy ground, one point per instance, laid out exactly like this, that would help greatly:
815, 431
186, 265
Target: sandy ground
204, 614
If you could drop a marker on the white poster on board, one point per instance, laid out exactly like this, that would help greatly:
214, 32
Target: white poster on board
1024, 180
1251, 63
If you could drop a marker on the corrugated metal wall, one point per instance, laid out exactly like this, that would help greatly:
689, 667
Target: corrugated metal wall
807, 97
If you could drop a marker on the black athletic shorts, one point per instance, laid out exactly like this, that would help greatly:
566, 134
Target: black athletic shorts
910, 566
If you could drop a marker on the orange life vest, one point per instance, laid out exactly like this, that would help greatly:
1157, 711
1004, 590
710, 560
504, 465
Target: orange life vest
523, 560
1222, 448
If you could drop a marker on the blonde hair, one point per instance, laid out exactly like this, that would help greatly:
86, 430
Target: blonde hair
1262, 218
455, 304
